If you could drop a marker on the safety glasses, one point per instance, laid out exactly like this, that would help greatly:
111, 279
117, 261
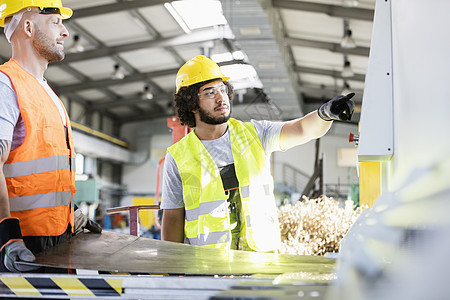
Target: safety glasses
211, 92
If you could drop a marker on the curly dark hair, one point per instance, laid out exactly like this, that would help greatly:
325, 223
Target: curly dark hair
186, 100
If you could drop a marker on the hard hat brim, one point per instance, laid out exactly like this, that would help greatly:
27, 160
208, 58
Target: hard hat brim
65, 12
222, 78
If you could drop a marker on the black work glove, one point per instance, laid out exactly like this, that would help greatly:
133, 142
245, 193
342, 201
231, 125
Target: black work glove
339, 108
82, 222
15, 249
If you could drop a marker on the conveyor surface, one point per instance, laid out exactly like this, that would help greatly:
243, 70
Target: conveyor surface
114, 252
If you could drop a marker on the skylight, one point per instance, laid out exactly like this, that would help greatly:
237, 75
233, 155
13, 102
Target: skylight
195, 14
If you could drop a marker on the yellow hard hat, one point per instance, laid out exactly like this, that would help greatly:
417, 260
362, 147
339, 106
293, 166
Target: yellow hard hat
198, 69
10, 7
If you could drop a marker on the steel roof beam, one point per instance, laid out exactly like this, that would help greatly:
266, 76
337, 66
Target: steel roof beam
334, 47
331, 10
194, 37
115, 7
145, 117
126, 102
96, 84
328, 92
74, 88
332, 73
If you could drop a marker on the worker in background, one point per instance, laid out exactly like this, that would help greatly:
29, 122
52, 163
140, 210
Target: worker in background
100, 215
217, 187
37, 176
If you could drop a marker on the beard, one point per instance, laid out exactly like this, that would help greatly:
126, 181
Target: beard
46, 48
208, 119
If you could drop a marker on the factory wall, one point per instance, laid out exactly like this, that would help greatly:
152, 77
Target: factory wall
93, 120
303, 157
150, 141
140, 177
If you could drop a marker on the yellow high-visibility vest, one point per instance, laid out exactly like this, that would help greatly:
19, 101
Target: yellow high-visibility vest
207, 220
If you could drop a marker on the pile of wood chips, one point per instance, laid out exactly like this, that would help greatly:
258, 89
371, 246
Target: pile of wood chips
314, 226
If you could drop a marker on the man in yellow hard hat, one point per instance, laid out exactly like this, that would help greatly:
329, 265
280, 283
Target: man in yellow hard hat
37, 178
217, 187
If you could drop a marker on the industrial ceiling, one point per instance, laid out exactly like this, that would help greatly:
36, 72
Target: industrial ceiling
294, 47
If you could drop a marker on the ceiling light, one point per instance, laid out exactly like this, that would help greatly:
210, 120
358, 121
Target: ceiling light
240, 94
228, 56
252, 30
350, 3
147, 94
347, 40
222, 57
278, 89
242, 76
347, 69
238, 55
239, 71
267, 65
118, 73
346, 90
76, 46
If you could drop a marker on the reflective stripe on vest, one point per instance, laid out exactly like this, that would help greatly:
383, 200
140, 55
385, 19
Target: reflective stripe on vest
245, 191
40, 165
211, 238
203, 209
41, 200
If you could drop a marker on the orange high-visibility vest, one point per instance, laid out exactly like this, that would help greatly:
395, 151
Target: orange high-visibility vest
40, 173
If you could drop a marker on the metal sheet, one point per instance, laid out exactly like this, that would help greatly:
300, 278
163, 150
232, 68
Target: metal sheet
114, 252
249, 291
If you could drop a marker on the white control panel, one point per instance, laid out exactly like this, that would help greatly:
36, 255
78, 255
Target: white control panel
376, 137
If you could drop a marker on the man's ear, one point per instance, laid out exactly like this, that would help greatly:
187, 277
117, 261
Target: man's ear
28, 27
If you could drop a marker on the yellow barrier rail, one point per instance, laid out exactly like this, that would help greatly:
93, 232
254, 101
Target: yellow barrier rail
99, 134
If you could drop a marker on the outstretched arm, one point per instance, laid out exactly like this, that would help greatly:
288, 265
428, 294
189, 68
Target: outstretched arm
300, 131
315, 124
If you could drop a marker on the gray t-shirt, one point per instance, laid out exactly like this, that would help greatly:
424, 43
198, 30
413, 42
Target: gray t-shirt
220, 151
11, 123
9, 113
